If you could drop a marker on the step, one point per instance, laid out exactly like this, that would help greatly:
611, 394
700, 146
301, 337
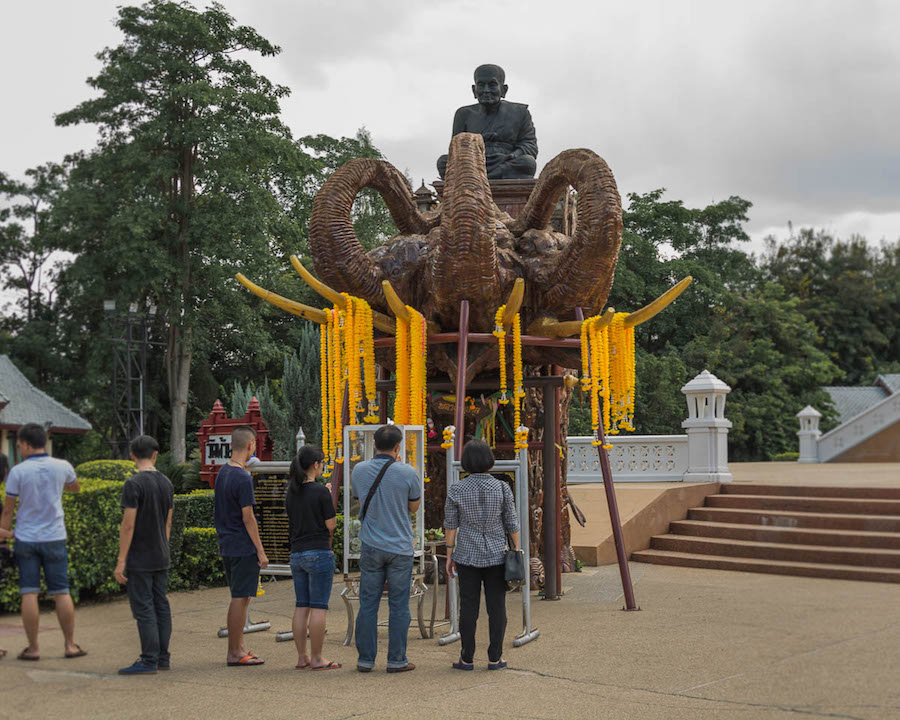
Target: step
788, 535
881, 493
854, 506
867, 557
785, 518
820, 570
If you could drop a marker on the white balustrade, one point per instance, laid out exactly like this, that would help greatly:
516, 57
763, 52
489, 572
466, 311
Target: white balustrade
699, 456
857, 429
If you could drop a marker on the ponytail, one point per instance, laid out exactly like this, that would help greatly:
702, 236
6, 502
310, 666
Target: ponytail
305, 458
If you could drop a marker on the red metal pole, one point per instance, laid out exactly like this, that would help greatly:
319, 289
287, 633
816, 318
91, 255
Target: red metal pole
462, 362
614, 520
557, 391
550, 507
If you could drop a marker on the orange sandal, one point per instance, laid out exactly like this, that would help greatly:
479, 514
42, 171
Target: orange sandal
248, 660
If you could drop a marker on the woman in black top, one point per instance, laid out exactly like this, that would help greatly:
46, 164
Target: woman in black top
311, 517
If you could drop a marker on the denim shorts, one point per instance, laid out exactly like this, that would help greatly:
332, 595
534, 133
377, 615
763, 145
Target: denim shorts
313, 572
242, 575
52, 556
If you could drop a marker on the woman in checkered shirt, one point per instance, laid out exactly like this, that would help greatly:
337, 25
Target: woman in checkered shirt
479, 513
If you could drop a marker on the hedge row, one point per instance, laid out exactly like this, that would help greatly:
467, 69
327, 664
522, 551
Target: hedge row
114, 470
92, 522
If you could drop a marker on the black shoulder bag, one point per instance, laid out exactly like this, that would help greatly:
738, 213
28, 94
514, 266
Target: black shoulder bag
513, 562
365, 509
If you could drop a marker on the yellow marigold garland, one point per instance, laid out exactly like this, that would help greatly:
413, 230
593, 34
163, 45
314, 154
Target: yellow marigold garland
324, 374
608, 374
401, 395
368, 355
500, 334
521, 432
338, 383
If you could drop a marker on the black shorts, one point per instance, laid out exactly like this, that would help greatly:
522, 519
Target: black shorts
242, 574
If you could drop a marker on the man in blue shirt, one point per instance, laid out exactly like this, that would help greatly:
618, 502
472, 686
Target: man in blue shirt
239, 544
387, 549
36, 485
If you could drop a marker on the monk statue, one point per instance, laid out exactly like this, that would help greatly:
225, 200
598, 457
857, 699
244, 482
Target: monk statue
510, 145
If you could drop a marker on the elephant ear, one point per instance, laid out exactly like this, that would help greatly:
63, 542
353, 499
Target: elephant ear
340, 259
583, 272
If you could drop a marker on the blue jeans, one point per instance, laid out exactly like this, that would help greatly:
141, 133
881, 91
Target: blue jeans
376, 568
52, 556
313, 573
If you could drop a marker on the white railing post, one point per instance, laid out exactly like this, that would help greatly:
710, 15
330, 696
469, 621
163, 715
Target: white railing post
707, 429
809, 434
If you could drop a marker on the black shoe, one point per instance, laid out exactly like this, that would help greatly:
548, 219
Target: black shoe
362, 668
139, 668
165, 665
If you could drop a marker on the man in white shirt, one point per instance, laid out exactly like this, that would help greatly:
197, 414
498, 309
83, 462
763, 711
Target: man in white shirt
36, 485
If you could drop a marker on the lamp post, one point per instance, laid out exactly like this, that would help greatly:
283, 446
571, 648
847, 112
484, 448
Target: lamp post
129, 333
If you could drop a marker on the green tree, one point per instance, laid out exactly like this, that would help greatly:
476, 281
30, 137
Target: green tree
193, 178
765, 349
849, 289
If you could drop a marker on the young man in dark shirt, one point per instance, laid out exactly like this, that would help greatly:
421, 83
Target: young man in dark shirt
143, 566
239, 544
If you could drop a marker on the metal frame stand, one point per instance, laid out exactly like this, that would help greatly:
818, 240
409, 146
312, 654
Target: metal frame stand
249, 626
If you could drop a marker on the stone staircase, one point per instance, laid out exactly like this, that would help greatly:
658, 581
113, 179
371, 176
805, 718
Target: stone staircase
851, 533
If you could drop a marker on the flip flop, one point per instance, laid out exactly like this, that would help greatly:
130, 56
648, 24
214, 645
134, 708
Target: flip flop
330, 666
247, 661
28, 658
499, 665
80, 653
302, 667
2, 653
460, 665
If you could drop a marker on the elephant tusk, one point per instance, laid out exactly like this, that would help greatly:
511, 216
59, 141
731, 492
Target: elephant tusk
545, 327
379, 320
658, 305
332, 296
398, 307
295, 308
514, 303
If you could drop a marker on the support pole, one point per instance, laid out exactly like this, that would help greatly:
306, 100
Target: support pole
462, 362
613, 505
550, 510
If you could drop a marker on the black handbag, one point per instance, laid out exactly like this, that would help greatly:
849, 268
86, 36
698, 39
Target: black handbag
513, 565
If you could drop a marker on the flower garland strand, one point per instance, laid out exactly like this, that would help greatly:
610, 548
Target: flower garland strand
401, 395
500, 334
367, 350
521, 432
418, 354
338, 384
351, 357
325, 405
622, 375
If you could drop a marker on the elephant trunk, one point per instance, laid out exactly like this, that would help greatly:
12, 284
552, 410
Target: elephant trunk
465, 264
340, 259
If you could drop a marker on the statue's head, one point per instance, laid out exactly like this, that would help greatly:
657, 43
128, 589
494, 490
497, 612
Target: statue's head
490, 84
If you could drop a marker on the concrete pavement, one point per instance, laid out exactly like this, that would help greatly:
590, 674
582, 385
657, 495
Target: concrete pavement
707, 644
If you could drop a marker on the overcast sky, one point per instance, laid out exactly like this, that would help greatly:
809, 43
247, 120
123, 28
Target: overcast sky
792, 105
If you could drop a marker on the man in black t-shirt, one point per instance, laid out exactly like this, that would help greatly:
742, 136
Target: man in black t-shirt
143, 566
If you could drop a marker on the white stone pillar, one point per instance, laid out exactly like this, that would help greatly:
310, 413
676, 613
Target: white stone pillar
809, 434
707, 429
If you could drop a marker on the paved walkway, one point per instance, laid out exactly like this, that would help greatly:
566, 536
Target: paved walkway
707, 644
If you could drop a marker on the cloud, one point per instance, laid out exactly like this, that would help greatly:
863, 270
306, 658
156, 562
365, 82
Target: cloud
790, 105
